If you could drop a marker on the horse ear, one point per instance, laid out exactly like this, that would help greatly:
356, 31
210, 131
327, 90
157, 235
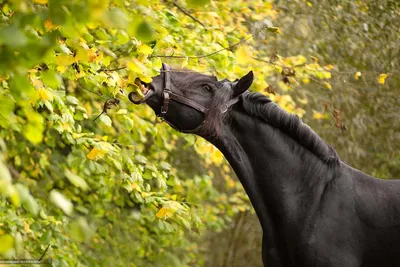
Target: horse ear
243, 84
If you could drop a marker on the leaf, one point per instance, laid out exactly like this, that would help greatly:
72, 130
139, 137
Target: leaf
243, 54
80, 230
72, 100
184, 62
4, 172
33, 134
76, 180
44, 94
6, 243
45, 238
27, 200
217, 157
145, 31
96, 153
327, 85
168, 209
12, 36
382, 78
61, 201
106, 120
319, 115
145, 49
197, 3
43, 2
274, 29
51, 79
64, 60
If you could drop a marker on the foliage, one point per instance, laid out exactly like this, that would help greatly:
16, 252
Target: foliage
103, 191
360, 38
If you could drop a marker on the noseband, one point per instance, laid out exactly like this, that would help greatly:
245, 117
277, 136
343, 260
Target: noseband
169, 94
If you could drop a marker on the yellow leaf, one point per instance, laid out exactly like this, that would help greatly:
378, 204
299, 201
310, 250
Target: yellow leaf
145, 49
217, 157
327, 85
164, 213
43, 2
82, 55
329, 67
184, 62
44, 94
96, 154
357, 75
136, 66
64, 60
382, 78
61, 69
243, 54
318, 115
136, 186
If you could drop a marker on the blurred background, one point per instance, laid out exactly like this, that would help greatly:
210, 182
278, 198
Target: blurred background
123, 190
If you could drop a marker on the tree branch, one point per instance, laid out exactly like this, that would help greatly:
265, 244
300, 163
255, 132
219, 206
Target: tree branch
206, 55
184, 11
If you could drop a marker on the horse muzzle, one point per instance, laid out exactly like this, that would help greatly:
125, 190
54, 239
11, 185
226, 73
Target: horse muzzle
146, 90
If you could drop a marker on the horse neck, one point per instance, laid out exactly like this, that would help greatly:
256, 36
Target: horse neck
277, 173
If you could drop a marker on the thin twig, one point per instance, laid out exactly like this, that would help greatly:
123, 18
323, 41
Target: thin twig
96, 93
206, 55
184, 11
115, 69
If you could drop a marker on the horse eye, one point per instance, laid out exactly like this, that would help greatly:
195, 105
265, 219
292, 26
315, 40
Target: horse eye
207, 88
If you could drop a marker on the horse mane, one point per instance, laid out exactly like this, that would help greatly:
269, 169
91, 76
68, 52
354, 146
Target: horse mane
256, 104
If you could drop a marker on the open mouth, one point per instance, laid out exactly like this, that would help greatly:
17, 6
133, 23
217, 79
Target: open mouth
140, 96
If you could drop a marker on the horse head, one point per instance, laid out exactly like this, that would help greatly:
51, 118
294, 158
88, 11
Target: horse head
190, 101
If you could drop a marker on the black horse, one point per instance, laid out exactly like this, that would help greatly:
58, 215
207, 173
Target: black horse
313, 208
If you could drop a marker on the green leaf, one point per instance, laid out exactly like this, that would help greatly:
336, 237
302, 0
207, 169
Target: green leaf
61, 201
117, 18
27, 200
6, 243
145, 31
80, 230
76, 180
51, 79
198, 3
72, 100
12, 36
33, 134
106, 120
45, 238
21, 88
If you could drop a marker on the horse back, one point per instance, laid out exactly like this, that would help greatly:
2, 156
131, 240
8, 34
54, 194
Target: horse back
377, 201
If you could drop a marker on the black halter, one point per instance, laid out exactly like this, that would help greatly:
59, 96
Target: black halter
168, 94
